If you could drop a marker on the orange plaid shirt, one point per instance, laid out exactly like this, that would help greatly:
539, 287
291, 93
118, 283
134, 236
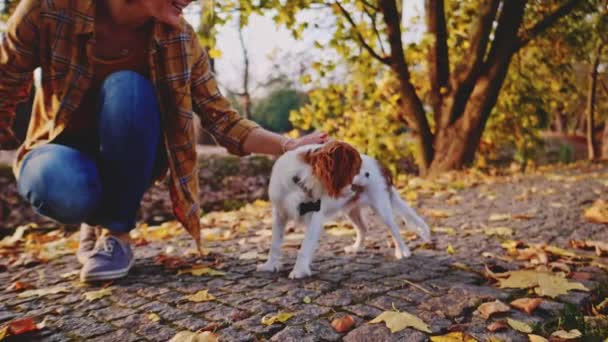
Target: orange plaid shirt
56, 35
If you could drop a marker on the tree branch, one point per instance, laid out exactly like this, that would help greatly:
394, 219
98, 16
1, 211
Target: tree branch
528, 34
372, 18
362, 41
439, 63
603, 84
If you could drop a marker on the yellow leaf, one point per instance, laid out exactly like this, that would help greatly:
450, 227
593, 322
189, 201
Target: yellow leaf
199, 271
598, 212
201, 296
3, 332
215, 53
43, 292
153, 317
438, 213
341, 231
567, 335
307, 300
249, 255
519, 325
280, 317
544, 284
397, 321
450, 249
188, 336
536, 338
453, 337
94, 295
446, 230
499, 217
487, 309
498, 231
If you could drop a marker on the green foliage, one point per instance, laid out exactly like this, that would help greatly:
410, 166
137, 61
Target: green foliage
272, 111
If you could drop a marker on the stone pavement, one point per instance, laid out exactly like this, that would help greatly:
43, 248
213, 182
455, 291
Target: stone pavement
442, 284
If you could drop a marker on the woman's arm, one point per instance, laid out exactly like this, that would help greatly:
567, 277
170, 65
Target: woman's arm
19, 57
266, 142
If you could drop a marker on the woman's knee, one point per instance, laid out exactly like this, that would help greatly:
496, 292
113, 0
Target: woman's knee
60, 182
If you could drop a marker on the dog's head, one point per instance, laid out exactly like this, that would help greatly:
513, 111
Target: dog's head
335, 164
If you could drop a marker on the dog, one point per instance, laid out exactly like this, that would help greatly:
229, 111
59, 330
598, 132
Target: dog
316, 182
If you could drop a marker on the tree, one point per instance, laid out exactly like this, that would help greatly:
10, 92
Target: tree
468, 57
272, 111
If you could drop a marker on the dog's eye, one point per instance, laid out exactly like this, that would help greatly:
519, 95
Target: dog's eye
367, 174
296, 179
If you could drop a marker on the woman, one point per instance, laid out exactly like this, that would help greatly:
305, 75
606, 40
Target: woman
121, 83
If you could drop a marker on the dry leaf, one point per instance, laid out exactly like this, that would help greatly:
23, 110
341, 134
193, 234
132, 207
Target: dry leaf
3, 332
201, 296
21, 326
519, 325
450, 249
445, 230
528, 305
397, 321
499, 217
188, 336
536, 338
496, 326
201, 270
343, 324
249, 255
18, 286
153, 317
487, 309
94, 295
280, 317
437, 213
43, 292
598, 212
341, 231
457, 336
498, 231
544, 284
307, 300
600, 247
567, 335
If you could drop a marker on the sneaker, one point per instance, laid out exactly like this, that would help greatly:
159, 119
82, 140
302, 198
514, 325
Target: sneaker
88, 237
110, 259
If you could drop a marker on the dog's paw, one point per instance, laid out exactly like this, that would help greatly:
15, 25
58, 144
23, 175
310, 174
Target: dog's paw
269, 267
402, 253
300, 272
352, 249
425, 234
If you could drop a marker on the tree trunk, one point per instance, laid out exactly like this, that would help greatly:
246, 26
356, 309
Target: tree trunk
592, 147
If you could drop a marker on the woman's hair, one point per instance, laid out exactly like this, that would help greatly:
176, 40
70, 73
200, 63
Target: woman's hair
335, 164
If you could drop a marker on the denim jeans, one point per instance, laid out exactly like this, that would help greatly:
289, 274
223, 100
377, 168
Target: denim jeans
101, 185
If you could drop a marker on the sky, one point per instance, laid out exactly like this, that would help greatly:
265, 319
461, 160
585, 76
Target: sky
263, 37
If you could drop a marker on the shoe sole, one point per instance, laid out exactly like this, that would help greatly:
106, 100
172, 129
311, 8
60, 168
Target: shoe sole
107, 275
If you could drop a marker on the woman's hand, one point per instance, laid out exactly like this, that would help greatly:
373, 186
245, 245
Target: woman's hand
312, 138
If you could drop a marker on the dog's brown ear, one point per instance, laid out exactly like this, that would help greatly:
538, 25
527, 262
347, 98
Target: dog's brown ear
335, 164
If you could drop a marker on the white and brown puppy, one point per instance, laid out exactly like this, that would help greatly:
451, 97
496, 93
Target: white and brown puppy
315, 182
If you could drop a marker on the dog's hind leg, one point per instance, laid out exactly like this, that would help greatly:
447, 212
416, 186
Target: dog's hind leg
410, 217
385, 211
279, 220
360, 227
307, 249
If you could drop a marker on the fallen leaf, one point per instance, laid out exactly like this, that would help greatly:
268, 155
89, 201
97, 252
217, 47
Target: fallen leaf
279, 317
499, 217
498, 231
519, 325
17, 236
343, 324
307, 300
94, 295
528, 305
536, 338
188, 336
153, 317
18, 286
581, 276
21, 326
450, 249
341, 231
487, 309
445, 230
600, 247
201, 296
437, 213
199, 271
249, 255
496, 326
397, 321
69, 274
43, 292
3, 332
567, 335
598, 212
457, 336
544, 284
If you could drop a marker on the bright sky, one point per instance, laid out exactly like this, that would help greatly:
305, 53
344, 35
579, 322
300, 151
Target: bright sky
262, 37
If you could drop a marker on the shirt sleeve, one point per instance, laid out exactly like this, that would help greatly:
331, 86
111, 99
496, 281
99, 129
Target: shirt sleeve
217, 115
19, 56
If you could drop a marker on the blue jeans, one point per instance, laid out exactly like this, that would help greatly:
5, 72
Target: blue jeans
101, 185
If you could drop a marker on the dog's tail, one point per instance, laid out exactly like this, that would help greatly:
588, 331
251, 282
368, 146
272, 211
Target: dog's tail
409, 215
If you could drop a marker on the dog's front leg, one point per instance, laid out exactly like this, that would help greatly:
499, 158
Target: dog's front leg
273, 264
307, 249
361, 228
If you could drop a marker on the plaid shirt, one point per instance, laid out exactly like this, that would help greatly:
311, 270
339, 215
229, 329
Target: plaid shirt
56, 35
